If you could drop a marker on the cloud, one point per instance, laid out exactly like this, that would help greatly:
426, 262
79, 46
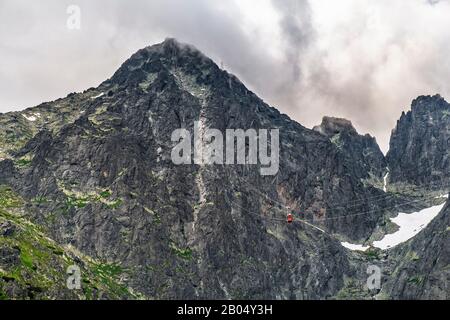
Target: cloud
363, 60
372, 58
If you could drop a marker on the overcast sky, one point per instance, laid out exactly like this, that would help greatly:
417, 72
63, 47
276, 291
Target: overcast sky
364, 60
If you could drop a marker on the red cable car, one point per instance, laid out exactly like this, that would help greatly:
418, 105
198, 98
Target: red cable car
290, 218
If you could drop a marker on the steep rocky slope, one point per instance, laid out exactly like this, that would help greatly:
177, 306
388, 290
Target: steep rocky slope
420, 145
33, 266
362, 152
420, 267
419, 163
415, 269
111, 190
94, 173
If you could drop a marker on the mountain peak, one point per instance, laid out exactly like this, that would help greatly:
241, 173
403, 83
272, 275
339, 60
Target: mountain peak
96, 170
167, 55
170, 42
427, 102
331, 126
171, 47
421, 134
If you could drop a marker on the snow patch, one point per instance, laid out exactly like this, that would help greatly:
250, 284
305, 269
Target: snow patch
98, 96
159, 151
410, 224
29, 118
354, 247
385, 181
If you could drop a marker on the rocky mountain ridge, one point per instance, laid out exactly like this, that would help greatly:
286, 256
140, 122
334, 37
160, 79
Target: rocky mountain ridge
93, 172
419, 151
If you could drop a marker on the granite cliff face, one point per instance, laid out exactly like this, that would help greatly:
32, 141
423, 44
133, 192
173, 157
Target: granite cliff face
362, 152
92, 175
420, 145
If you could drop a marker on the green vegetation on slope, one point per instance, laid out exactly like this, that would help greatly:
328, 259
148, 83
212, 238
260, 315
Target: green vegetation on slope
32, 266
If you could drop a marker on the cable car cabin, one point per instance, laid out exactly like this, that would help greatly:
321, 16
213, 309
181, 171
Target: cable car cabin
290, 218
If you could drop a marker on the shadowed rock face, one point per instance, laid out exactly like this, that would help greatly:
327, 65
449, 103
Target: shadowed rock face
362, 152
94, 171
420, 144
419, 161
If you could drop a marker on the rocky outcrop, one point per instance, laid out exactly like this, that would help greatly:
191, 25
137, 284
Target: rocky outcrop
93, 172
362, 152
33, 266
111, 190
419, 151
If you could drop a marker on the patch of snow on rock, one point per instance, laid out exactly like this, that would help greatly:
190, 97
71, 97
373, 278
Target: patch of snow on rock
29, 118
98, 96
354, 247
385, 181
410, 224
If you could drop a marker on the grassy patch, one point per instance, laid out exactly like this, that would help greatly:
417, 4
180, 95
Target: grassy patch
417, 280
115, 204
78, 200
3, 295
40, 200
105, 194
372, 253
446, 114
413, 256
74, 202
109, 276
156, 217
108, 270
23, 163
42, 264
8, 198
27, 259
183, 253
